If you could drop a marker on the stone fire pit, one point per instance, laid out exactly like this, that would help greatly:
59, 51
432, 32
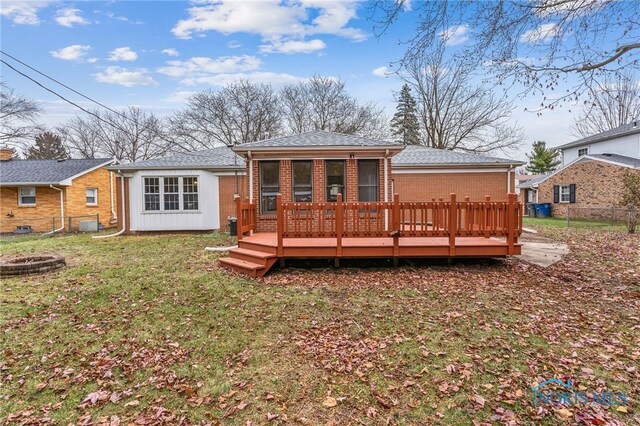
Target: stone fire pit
35, 264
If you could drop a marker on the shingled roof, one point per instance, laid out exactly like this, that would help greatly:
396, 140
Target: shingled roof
420, 156
47, 172
316, 139
208, 159
627, 129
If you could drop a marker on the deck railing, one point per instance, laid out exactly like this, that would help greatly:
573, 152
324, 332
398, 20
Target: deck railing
247, 217
435, 218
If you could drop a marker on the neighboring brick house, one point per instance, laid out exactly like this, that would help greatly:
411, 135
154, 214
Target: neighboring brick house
45, 194
182, 192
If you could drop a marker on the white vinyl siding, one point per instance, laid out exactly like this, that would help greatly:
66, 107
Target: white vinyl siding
202, 210
625, 145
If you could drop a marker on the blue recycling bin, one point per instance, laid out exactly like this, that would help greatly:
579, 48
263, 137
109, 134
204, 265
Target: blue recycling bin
542, 209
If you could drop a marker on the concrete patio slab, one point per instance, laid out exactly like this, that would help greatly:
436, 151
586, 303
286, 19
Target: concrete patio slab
543, 254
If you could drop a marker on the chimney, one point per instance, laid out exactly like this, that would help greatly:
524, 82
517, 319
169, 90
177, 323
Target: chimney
6, 154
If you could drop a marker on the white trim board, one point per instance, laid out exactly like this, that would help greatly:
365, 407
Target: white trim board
399, 171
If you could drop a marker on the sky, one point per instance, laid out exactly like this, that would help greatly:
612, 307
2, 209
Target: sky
154, 54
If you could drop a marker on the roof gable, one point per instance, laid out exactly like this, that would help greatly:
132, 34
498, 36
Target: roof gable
47, 172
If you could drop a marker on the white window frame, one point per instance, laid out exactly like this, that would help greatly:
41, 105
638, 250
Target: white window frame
561, 193
20, 195
95, 191
161, 194
585, 151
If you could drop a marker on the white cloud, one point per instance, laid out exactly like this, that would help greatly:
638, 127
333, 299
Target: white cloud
125, 77
203, 67
273, 20
179, 97
541, 34
69, 17
456, 35
123, 54
171, 52
22, 12
234, 44
381, 71
75, 52
293, 46
115, 17
220, 80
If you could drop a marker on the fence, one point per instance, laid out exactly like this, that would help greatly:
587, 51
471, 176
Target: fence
15, 225
597, 215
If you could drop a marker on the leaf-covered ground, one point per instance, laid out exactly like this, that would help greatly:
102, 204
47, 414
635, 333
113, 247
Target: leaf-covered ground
149, 330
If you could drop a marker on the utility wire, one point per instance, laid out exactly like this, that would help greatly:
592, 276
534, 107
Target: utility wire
66, 87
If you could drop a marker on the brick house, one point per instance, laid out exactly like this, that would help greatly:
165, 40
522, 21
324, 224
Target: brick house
39, 193
591, 172
314, 166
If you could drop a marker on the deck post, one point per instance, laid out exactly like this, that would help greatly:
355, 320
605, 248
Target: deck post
511, 221
395, 215
239, 218
279, 223
487, 216
453, 224
339, 225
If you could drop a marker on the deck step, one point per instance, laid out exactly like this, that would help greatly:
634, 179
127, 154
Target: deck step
242, 266
257, 246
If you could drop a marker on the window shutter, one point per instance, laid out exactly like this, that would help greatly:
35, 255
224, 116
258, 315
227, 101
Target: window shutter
572, 193
556, 193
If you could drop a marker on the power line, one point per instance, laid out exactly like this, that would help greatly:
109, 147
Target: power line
65, 86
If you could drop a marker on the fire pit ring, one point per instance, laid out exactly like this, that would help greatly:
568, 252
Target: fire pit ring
32, 264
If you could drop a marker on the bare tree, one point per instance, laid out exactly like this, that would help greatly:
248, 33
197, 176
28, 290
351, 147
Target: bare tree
129, 135
455, 114
538, 43
241, 112
613, 103
17, 117
322, 103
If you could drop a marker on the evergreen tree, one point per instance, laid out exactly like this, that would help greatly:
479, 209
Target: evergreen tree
404, 124
542, 159
48, 147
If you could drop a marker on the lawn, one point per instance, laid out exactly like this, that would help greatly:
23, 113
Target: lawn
558, 222
149, 330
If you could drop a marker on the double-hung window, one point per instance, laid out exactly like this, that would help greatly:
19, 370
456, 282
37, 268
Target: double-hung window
335, 177
27, 196
91, 196
269, 186
368, 180
170, 193
302, 181
565, 193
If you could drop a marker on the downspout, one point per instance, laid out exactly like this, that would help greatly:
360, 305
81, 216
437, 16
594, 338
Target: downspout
114, 215
509, 179
124, 216
386, 189
250, 176
61, 211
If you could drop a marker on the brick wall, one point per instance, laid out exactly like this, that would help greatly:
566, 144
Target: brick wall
597, 184
227, 190
425, 186
46, 213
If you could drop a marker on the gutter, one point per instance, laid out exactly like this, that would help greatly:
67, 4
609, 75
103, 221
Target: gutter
61, 211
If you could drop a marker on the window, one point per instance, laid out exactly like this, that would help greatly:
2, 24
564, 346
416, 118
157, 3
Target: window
171, 193
302, 181
166, 193
583, 151
151, 193
269, 186
334, 170
190, 193
565, 193
367, 180
27, 197
91, 195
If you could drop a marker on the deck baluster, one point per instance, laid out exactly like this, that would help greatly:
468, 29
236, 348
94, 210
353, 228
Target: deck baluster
453, 221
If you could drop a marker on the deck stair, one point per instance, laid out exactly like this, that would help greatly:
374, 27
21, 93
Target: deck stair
250, 259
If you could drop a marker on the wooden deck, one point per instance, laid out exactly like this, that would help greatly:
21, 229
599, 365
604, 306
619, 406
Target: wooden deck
369, 230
